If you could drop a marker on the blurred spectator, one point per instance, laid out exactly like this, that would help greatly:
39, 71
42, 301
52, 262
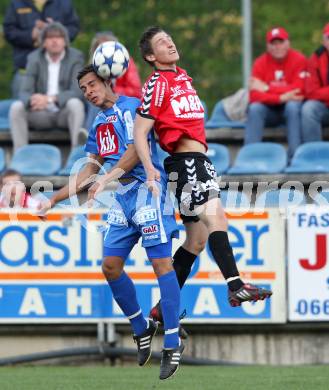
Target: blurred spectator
23, 23
277, 90
129, 84
235, 105
13, 192
49, 94
315, 111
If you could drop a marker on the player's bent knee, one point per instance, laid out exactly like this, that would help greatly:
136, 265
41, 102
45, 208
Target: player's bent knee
160, 256
112, 269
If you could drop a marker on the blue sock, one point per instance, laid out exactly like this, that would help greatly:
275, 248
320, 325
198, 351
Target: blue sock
170, 301
124, 293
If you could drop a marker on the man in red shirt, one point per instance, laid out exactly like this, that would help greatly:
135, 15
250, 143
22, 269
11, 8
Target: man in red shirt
172, 107
315, 111
276, 90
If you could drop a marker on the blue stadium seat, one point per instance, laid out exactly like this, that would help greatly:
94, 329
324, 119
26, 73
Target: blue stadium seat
2, 160
4, 113
219, 156
310, 157
76, 154
322, 198
283, 197
37, 159
259, 158
219, 119
233, 198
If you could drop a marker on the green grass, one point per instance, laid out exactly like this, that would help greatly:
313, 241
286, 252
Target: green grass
187, 378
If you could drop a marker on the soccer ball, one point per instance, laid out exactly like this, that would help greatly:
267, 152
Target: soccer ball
110, 60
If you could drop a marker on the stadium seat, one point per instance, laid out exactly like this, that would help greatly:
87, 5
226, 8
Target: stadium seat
76, 154
322, 198
219, 119
259, 158
233, 198
37, 159
219, 156
4, 113
310, 157
283, 197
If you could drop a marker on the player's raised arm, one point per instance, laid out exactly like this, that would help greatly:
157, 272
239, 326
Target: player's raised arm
127, 162
142, 127
76, 184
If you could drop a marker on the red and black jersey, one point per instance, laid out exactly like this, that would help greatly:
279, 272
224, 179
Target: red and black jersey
317, 84
280, 76
170, 99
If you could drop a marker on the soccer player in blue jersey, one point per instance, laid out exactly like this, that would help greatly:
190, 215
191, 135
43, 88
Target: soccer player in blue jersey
135, 213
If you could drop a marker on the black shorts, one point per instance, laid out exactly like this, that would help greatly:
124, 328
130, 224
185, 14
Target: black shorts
193, 179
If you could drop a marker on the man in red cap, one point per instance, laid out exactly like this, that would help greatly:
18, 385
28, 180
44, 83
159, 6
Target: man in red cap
276, 90
315, 111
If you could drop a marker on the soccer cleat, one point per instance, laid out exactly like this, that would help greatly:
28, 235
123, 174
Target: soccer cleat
248, 293
170, 361
156, 315
144, 342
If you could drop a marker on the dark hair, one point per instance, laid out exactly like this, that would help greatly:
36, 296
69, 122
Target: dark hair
85, 70
55, 27
9, 172
145, 42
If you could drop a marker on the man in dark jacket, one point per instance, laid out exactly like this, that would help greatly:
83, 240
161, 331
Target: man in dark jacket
23, 22
315, 111
49, 94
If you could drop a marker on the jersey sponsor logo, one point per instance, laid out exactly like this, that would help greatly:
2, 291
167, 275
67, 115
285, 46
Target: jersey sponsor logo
210, 169
117, 217
159, 94
150, 229
145, 215
112, 118
151, 237
182, 77
107, 140
187, 107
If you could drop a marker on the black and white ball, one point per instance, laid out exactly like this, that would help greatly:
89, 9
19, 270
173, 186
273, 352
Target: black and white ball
110, 60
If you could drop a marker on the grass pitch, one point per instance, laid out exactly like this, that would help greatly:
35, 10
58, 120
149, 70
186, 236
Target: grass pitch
187, 378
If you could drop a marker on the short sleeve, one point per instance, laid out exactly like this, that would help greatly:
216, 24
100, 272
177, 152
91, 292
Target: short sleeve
91, 144
153, 97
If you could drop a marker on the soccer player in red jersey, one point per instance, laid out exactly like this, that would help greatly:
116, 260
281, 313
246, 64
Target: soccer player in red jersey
172, 107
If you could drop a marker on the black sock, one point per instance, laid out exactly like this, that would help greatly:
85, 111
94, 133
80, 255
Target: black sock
183, 261
223, 255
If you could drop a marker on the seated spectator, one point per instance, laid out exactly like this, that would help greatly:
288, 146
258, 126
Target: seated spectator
49, 94
129, 84
315, 111
23, 23
276, 90
13, 192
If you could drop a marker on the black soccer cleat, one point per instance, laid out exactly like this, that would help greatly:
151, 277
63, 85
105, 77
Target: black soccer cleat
248, 293
156, 315
144, 343
170, 361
